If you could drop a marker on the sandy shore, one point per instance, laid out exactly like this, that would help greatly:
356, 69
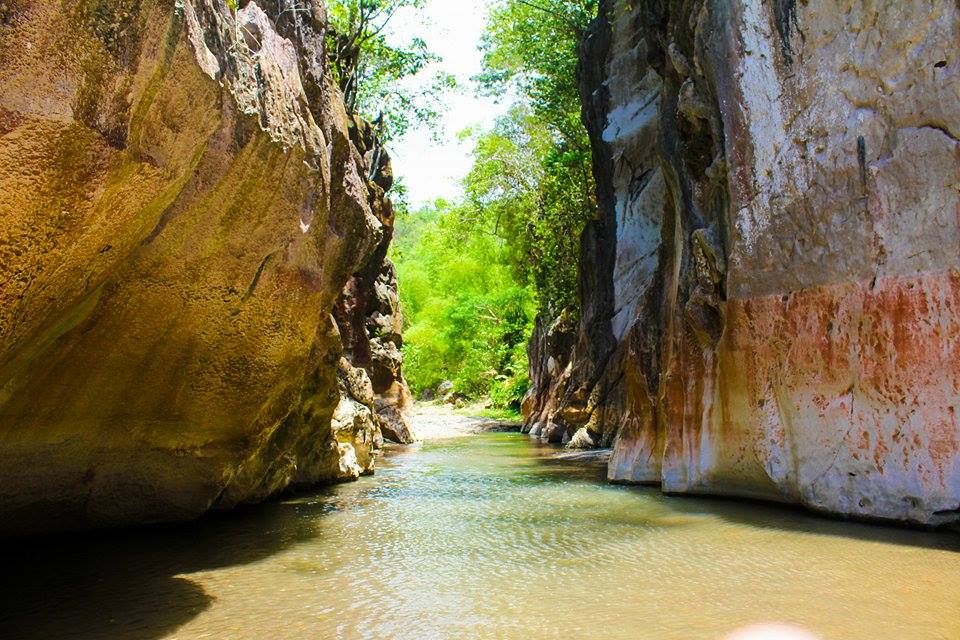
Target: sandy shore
438, 422
432, 422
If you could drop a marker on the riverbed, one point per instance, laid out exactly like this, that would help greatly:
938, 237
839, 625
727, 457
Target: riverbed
486, 536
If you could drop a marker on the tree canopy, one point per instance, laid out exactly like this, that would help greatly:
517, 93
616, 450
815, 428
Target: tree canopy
530, 50
475, 273
371, 68
531, 45
467, 318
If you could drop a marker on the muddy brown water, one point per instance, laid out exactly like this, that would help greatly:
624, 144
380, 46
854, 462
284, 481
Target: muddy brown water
486, 536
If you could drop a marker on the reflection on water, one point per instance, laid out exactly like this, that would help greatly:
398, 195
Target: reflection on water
487, 537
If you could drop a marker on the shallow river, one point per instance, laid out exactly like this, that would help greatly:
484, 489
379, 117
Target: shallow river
487, 537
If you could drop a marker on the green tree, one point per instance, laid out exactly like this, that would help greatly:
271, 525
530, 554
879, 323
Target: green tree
467, 317
371, 69
502, 185
532, 45
474, 273
530, 51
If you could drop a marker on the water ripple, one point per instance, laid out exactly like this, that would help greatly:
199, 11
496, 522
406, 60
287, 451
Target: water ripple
489, 537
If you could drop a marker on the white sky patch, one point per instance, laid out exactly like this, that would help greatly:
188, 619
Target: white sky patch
452, 29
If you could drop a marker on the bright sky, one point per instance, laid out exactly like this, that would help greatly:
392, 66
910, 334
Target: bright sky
452, 29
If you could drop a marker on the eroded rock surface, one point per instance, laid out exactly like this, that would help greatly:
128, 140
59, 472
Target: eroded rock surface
772, 291
368, 313
181, 206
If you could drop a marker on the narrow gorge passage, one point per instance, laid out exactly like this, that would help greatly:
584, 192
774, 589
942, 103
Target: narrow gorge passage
469, 319
487, 535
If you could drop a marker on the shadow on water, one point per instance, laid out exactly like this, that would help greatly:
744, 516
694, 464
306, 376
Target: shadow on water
796, 519
139, 583
757, 514
130, 584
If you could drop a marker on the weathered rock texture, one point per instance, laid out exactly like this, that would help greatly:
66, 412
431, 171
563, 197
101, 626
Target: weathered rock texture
368, 312
181, 207
772, 291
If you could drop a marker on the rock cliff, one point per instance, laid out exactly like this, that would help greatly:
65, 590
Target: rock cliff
771, 293
181, 210
368, 313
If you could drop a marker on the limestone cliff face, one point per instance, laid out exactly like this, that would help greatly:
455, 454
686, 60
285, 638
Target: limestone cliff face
181, 207
368, 313
772, 291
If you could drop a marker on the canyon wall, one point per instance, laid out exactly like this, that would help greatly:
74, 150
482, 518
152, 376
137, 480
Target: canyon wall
368, 313
771, 291
184, 202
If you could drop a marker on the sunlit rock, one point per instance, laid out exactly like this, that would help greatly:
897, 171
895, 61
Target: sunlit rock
772, 292
182, 207
582, 439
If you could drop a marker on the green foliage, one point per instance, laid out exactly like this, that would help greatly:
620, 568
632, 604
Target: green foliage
467, 316
532, 180
474, 274
371, 69
536, 194
532, 45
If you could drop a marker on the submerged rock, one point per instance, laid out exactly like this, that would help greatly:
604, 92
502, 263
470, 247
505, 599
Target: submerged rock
182, 206
772, 290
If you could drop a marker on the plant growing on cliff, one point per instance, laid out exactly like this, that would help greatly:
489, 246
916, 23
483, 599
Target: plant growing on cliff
532, 45
370, 67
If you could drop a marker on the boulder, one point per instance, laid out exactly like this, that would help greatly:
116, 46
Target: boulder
445, 388
552, 433
582, 439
